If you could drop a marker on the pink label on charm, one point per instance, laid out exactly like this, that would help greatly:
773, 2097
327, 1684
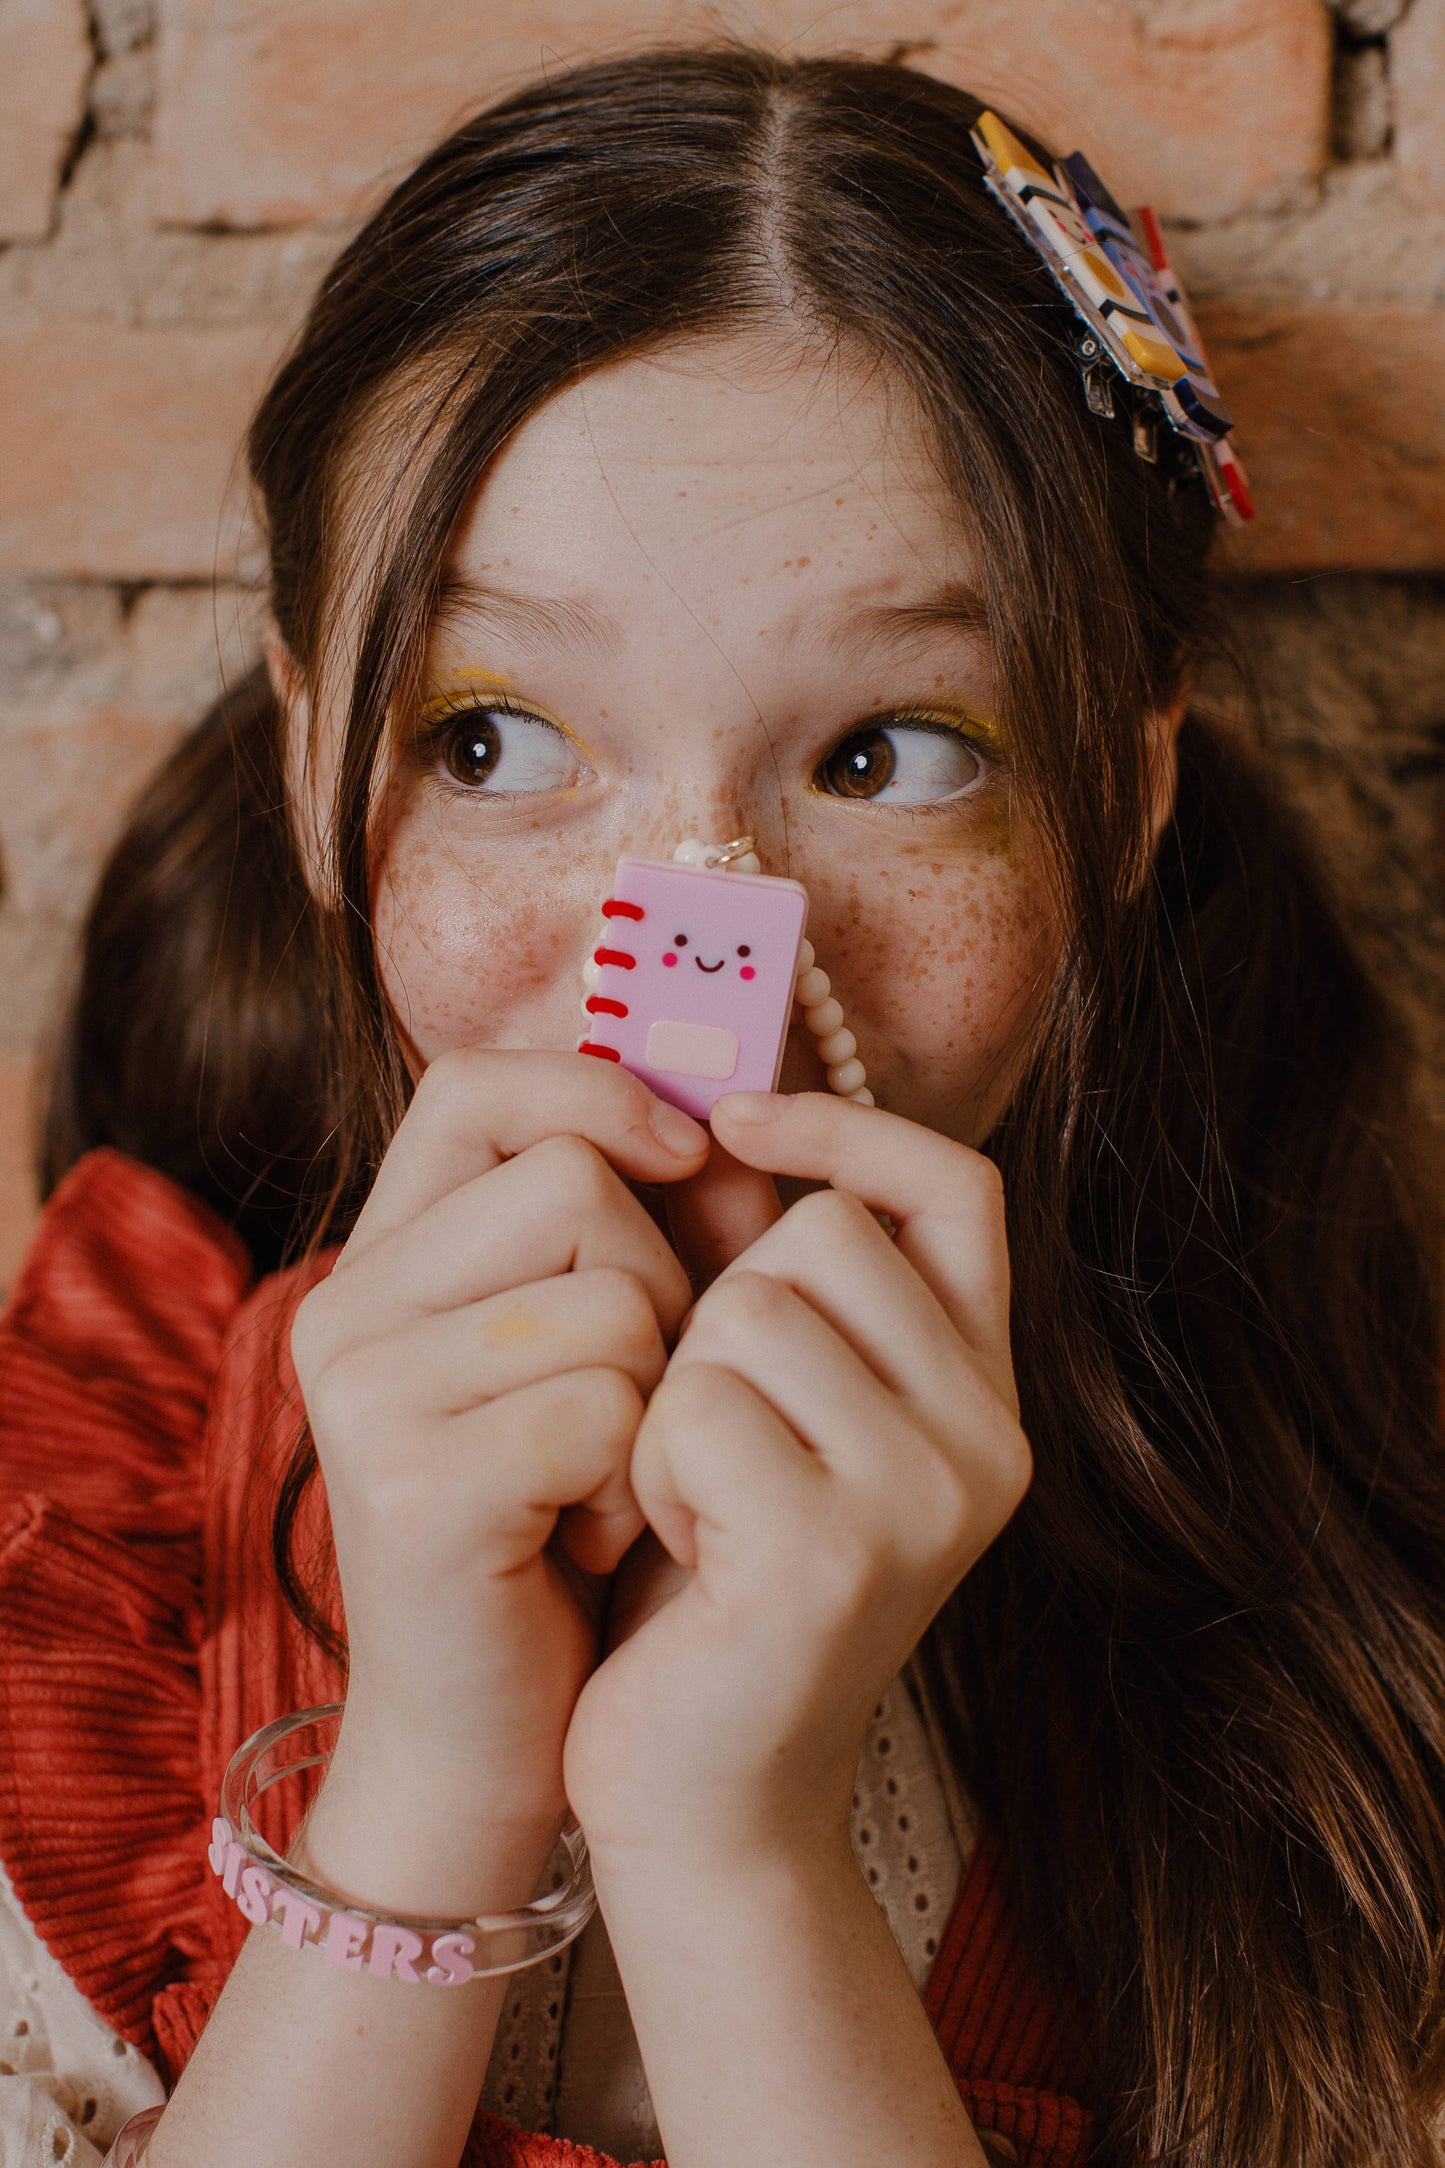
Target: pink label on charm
692, 1049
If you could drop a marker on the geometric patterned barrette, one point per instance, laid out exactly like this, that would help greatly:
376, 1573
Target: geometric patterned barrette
1136, 320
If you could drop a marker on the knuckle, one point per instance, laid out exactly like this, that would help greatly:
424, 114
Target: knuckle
950, 1508
310, 1330
628, 1316
983, 1181
1015, 1466
606, 1401
346, 1396
831, 1219
447, 1083
695, 1393
749, 1297
576, 1170
674, 1292
733, 1312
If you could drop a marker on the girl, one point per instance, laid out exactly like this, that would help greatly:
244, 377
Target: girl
690, 448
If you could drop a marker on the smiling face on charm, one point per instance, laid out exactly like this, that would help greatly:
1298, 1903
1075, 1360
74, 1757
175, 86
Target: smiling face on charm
674, 955
715, 592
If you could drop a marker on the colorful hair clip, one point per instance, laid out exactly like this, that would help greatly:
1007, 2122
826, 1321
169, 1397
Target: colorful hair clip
1132, 305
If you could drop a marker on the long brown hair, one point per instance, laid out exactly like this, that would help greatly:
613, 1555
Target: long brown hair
1200, 1679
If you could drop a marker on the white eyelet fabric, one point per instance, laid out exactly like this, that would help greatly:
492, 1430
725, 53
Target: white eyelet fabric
903, 1837
67, 2081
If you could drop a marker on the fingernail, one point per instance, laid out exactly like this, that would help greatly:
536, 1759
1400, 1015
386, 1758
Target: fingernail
753, 1108
675, 1131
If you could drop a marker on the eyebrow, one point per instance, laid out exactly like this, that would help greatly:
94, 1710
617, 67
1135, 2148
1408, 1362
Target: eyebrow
563, 621
956, 607
537, 619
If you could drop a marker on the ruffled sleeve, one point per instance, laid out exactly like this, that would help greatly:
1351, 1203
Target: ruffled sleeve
1021, 2058
108, 1353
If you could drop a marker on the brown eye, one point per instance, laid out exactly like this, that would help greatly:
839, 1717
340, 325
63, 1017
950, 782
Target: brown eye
473, 748
907, 762
861, 766
496, 751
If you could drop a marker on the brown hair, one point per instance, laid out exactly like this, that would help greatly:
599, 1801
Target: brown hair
1200, 1679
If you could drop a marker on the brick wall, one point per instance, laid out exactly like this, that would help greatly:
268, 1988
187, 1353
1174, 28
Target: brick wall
174, 175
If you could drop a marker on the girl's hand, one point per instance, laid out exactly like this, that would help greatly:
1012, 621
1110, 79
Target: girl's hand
834, 1443
475, 1370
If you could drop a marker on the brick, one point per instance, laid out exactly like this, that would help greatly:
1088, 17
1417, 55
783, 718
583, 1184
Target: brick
183, 644
1366, 239
1417, 76
64, 791
19, 1200
270, 116
108, 263
62, 650
1343, 432
94, 696
118, 448
45, 62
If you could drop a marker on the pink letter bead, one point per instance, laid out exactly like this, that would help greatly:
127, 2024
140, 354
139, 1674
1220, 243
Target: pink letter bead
235, 1861
220, 1844
392, 1950
298, 1918
345, 1939
454, 1960
254, 1896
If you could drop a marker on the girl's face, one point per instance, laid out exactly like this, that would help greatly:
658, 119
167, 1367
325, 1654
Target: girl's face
721, 591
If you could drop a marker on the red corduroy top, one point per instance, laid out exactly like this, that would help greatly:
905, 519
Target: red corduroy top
146, 1402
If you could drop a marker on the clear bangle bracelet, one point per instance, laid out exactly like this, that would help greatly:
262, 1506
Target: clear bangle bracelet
393, 1946
128, 2150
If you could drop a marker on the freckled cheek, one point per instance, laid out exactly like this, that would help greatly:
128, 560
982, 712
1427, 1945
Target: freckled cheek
471, 961
952, 968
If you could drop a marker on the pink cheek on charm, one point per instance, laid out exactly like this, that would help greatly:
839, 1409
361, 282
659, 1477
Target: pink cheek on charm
669, 959
747, 972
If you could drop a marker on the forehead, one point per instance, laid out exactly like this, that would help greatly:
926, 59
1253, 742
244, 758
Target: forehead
738, 478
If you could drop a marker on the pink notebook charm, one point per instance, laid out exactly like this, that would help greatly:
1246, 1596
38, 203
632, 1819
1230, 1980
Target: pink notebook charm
694, 986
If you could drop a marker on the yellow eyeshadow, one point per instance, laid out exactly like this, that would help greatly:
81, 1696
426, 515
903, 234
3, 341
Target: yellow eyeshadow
462, 686
967, 721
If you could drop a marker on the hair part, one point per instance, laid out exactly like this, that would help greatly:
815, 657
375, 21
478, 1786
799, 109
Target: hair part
1199, 1681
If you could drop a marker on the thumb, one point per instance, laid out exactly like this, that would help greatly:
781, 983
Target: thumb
718, 1213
